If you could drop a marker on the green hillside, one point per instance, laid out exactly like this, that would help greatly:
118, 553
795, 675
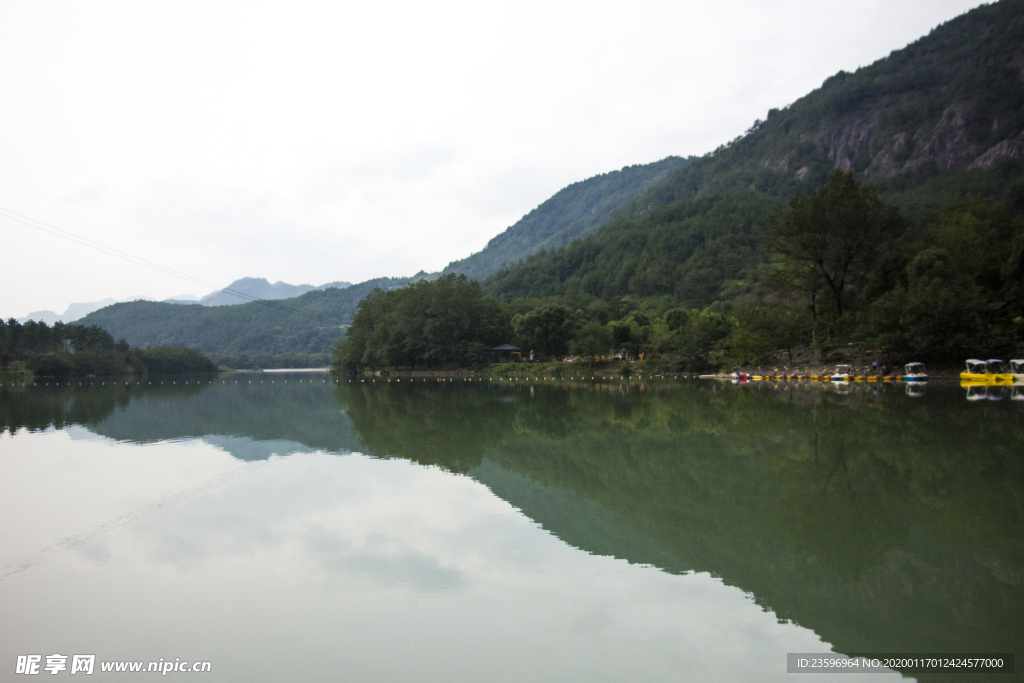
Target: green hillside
292, 332
694, 251
573, 212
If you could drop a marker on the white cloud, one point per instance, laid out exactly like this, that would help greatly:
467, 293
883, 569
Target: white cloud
312, 141
383, 570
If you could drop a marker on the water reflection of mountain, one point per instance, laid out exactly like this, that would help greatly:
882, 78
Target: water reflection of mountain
882, 522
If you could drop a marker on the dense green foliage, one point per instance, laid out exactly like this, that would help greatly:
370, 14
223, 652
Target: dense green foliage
946, 287
19, 342
447, 321
63, 349
67, 350
960, 291
573, 212
832, 237
694, 251
547, 329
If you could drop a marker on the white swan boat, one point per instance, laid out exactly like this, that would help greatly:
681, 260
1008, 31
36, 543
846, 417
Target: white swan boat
1017, 368
843, 373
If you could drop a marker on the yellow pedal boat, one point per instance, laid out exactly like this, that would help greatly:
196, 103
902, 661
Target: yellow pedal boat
986, 372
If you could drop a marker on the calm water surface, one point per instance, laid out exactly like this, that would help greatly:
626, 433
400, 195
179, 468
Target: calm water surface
286, 527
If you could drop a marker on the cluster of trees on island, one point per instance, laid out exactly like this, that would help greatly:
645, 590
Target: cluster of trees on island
727, 280
69, 350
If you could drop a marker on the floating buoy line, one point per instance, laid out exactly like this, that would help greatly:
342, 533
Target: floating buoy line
769, 378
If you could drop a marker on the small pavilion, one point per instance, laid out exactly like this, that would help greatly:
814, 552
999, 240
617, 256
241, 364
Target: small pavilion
504, 354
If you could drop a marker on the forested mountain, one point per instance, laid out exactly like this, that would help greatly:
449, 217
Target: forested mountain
729, 279
947, 104
573, 212
884, 208
308, 324
680, 258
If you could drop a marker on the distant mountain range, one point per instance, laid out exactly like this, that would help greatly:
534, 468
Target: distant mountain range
74, 312
931, 124
239, 291
253, 288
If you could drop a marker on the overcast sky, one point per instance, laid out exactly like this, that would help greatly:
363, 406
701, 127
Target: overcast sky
317, 141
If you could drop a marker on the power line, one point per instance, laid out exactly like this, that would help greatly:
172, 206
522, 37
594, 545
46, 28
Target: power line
117, 253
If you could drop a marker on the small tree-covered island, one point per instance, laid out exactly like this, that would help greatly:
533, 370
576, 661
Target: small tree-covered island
64, 351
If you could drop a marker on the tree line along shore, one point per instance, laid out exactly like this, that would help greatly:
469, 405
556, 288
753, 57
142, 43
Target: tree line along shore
69, 350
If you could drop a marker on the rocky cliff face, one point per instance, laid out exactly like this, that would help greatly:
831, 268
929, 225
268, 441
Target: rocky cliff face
952, 101
955, 98
1006, 148
946, 143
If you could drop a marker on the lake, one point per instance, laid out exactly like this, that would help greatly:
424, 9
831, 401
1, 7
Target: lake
290, 527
